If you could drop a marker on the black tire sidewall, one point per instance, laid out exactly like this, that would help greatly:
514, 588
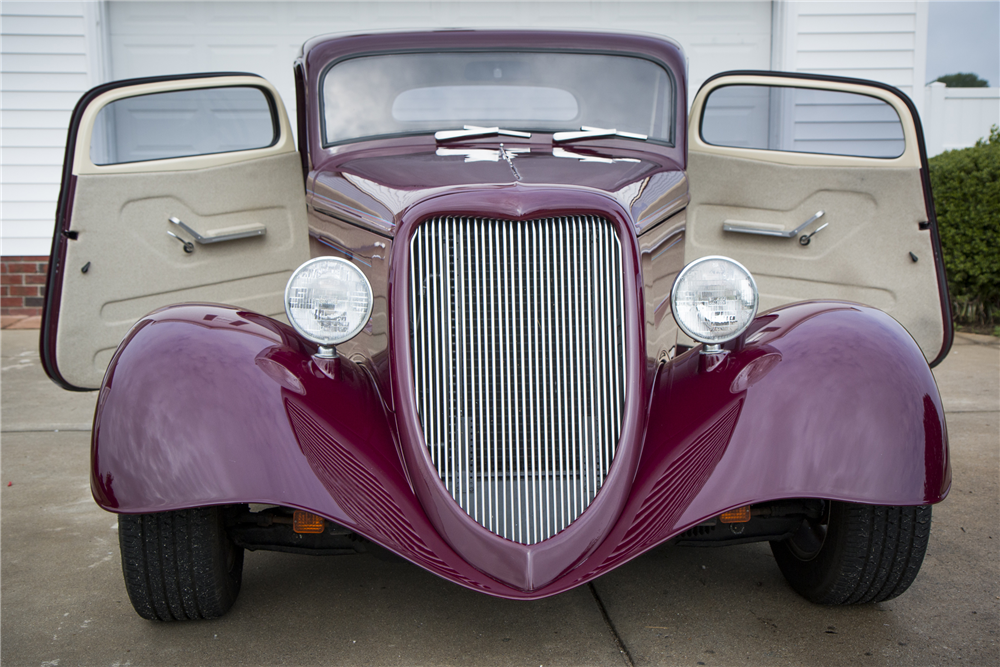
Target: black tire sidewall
818, 578
210, 578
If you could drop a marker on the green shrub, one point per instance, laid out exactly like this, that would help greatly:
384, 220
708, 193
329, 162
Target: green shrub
963, 80
966, 187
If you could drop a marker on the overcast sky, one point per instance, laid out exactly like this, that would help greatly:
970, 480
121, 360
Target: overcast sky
964, 37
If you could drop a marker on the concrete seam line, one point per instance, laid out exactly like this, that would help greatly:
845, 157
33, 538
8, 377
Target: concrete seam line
46, 428
626, 656
981, 343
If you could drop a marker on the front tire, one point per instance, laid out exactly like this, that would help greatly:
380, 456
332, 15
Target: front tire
179, 565
856, 553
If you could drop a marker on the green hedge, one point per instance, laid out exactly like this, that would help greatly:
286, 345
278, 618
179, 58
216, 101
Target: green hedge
966, 187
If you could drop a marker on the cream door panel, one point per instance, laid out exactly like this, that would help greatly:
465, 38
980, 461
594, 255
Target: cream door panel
875, 248
123, 257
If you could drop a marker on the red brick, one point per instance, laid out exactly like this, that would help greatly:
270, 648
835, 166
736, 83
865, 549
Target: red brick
27, 312
11, 302
24, 290
11, 279
3, 291
35, 279
21, 267
3, 267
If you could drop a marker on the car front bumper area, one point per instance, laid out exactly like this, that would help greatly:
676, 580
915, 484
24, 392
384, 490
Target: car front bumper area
209, 405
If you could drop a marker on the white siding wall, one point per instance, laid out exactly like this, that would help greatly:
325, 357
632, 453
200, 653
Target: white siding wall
47, 62
152, 38
884, 41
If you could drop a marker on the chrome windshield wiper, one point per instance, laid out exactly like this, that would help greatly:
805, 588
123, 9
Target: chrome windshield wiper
587, 132
476, 131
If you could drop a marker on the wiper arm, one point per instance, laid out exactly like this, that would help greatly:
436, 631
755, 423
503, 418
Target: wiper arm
587, 132
476, 131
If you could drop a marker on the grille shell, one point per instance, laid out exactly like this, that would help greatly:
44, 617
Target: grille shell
518, 349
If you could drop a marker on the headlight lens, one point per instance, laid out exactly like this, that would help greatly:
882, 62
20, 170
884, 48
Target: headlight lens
714, 299
328, 300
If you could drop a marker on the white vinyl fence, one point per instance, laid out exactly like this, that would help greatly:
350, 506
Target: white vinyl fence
958, 117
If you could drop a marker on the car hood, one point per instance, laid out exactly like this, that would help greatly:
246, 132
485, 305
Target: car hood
375, 187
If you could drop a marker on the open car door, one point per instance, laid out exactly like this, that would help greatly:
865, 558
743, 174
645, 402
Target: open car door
173, 190
819, 186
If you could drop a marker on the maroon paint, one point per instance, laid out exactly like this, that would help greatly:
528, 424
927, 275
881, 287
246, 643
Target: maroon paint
211, 405
420, 168
436, 174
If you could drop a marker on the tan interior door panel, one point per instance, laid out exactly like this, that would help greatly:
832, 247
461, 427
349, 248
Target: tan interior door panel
128, 258
875, 248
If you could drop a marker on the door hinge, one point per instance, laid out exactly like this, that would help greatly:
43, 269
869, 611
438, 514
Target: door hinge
70, 234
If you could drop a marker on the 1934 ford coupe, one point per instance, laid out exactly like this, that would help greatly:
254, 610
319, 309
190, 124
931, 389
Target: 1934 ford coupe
504, 311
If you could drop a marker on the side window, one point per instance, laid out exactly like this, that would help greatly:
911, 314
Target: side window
183, 123
802, 120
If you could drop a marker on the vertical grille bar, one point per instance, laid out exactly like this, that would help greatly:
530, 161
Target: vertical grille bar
562, 244
518, 349
579, 440
602, 377
480, 365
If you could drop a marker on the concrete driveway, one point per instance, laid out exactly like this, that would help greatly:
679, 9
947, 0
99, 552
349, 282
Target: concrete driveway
64, 603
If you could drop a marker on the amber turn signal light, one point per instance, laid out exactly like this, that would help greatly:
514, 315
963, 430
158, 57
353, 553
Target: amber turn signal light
307, 522
738, 515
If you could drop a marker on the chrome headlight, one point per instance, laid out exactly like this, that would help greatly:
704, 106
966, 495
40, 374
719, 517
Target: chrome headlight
328, 300
714, 299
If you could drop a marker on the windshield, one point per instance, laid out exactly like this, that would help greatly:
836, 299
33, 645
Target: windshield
425, 92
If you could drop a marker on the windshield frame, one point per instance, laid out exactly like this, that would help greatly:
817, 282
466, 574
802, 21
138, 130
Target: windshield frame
670, 142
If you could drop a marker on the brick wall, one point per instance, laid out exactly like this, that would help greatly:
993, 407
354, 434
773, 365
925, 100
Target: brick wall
22, 285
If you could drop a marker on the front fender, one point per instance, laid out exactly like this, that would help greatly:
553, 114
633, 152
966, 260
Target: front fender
823, 400
192, 411
210, 405
837, 402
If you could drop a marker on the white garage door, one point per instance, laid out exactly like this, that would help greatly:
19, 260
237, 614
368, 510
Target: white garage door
153, 38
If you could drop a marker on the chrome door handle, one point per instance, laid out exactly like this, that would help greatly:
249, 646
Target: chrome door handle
220, 235
728, 227
806, 238
188, 246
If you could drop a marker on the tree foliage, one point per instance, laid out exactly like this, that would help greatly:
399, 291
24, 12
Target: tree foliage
963, 80
966, 187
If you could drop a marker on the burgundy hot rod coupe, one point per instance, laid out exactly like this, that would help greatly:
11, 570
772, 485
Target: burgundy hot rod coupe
506, 311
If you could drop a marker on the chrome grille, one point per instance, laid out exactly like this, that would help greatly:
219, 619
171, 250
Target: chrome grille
518, 348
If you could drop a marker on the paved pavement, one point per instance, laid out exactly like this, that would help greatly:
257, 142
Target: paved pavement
64, 603
20, 321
